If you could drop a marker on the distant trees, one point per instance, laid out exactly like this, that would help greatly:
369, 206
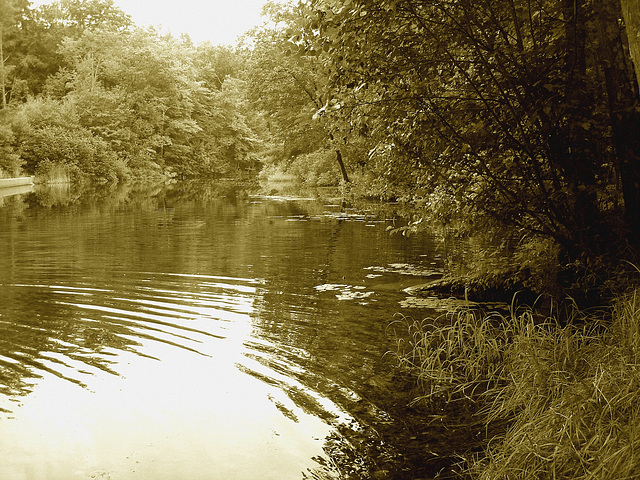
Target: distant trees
12, 13
523, 112
290, 87
73, 17
134, 100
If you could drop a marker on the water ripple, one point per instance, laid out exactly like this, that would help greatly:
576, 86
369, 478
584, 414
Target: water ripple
75, 331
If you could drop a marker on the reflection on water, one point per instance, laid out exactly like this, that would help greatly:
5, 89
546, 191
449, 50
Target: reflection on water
190, 332
15, 190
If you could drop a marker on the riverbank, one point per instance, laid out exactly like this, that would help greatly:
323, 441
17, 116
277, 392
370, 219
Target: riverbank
15, 186
16, 182
494, 287
547, 399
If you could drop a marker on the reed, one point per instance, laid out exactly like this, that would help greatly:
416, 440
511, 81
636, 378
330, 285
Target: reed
454, 356
54, 173
568, 395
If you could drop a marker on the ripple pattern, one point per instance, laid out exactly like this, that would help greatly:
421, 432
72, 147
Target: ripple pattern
77, 330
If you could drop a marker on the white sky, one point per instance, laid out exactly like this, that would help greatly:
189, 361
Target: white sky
219, 21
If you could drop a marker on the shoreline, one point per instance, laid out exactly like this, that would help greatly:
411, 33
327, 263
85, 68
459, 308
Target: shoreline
16, 182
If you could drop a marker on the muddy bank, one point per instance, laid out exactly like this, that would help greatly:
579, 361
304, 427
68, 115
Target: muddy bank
493, 287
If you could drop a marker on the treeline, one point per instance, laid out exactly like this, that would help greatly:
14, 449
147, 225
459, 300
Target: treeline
519, 114
87, 94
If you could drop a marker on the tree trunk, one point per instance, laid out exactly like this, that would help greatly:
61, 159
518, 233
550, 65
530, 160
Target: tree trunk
625, 119
343, 169
345, 176
571, 143
631, 15
3, 77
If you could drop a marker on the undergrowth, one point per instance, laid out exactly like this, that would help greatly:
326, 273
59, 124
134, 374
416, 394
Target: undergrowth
565, 397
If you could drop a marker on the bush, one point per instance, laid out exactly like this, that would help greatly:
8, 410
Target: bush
50, 172
316, 169
43, 112
77, 151
10, 162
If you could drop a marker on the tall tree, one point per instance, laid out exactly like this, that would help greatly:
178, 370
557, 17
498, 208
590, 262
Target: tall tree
76, 16
289, 83
12, 14
521, 110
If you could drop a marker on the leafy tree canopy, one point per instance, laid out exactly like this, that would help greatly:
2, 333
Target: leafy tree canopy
522, 111
146, 102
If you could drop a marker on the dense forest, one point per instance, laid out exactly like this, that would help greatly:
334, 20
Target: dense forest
517, 114
522, 114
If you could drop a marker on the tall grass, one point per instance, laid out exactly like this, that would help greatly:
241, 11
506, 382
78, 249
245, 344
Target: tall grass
567, 396
54, 173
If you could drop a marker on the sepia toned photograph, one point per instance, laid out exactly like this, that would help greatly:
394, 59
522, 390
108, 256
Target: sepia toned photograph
320, 240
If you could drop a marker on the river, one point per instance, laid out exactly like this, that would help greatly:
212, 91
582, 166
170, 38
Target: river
199, 332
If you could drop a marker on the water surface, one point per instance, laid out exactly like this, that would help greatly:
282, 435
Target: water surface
194, 333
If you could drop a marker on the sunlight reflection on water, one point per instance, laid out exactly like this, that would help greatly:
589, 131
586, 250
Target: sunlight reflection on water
167, 413
195, 343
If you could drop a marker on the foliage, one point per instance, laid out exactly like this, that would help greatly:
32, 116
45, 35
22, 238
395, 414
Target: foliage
316, 168
290, 87
631, 15
132, 99
77, 16
313, 169
10, 161
524, 112
12, 13
77, 149
49, 132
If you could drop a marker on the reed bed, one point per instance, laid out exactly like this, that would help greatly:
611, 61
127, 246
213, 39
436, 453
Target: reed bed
54, 173
566, 396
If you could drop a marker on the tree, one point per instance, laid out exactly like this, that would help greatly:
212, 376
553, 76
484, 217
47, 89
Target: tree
126, 98
156, 100
631, 14
30, 38
214, 64
12, 13
10, 161
522, 111
288, 83
76, 16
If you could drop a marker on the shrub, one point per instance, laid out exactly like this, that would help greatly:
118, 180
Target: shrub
316, 169
77, 150
50, 172
10, 162
43, 112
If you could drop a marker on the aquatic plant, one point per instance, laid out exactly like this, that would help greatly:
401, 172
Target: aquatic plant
554, 400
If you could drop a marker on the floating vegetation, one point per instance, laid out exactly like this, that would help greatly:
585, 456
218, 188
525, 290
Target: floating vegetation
448, 304
436, 303
407, 269
346, 292
373, 275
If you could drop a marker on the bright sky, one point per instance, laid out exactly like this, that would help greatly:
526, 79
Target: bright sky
219, 21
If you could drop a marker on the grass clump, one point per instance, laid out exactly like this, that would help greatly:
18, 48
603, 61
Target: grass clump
557, 401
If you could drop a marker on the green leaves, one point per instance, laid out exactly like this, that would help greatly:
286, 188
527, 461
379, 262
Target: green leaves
503, 103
